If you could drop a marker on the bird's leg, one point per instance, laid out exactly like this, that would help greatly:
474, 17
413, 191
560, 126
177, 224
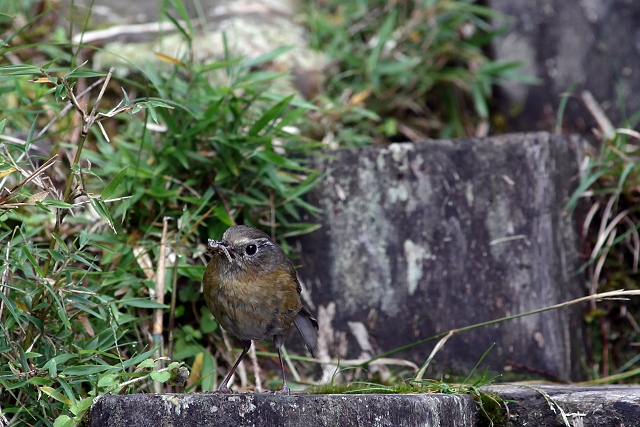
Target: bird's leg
224, 388
284, 389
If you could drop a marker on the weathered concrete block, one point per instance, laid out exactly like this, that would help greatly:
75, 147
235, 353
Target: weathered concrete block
216, 410
566, 43
543, 406
417, 239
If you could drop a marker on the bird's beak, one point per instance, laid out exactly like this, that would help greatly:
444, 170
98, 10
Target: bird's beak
219, 247
212, 245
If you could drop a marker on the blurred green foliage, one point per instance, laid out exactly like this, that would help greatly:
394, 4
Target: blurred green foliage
408, 70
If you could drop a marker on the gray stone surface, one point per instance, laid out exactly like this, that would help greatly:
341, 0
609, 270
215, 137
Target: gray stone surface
594, 43
199, 410
418, 239
123, 12
544, 406
528, 405
130, 35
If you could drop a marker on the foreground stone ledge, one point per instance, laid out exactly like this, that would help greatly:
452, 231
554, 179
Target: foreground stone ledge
542, 406
204, 409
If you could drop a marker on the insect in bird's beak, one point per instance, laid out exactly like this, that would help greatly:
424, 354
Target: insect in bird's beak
213, 245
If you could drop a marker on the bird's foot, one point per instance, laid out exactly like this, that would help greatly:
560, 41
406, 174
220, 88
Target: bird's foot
284, 391
224, 389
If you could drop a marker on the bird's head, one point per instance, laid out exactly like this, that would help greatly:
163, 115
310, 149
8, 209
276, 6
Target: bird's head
246, 248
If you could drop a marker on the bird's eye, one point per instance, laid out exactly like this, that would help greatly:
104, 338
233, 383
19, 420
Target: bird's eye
251, 249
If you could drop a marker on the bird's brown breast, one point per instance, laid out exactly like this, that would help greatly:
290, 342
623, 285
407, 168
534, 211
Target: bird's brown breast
251, 306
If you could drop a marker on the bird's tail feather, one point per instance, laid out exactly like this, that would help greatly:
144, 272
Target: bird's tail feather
308, 327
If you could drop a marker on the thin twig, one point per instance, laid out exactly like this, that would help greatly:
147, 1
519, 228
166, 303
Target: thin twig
87, 123
68, 107
29, 178
174, 289
158, 313
160, 277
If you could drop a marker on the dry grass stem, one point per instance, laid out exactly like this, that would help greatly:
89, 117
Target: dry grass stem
629, 132
598, 114
633, 244
589, 218
593, 297
257, 372
289, 362
435, 350
507, 239
604, 236
108, 33
600, 263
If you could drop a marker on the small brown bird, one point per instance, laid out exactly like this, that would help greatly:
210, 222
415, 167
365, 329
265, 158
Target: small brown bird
252, 289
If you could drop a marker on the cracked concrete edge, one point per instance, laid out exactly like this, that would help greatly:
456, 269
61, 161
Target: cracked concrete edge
531, 405
210, 409
574, 406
